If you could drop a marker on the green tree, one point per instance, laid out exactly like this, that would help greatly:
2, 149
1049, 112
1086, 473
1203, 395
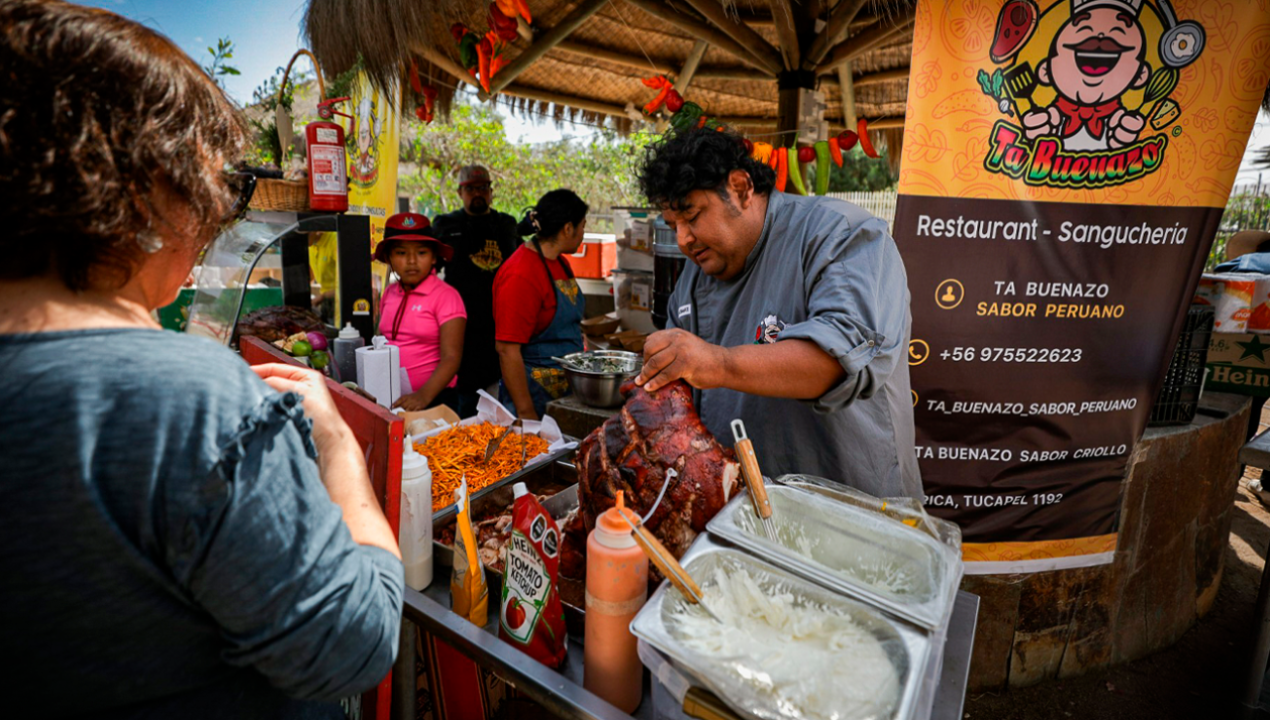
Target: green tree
217, 68
860, 173
600, 169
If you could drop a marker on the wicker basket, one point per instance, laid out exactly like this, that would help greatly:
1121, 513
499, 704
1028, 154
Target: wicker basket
283, 195
287, 195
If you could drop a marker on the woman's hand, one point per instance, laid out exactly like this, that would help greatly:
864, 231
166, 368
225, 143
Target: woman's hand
413, 402
328, 427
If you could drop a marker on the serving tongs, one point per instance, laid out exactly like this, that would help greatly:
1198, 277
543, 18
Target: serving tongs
753, 479
667, 564
492, 446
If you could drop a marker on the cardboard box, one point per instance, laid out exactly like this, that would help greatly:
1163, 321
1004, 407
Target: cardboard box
1239, 363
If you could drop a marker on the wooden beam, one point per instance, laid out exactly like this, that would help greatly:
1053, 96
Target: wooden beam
691, 65
848, 94
782, 14
839, 20
887, 123
628, 59
448, 64
523, 29
747, 36
702, 31
857, 45
882, 76
548, 40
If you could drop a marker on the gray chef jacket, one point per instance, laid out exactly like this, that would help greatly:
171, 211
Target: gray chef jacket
826, 271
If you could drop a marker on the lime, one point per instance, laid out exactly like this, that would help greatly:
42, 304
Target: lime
301, 348
319, 359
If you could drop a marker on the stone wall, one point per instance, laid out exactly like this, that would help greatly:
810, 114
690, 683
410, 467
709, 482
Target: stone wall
1174, 523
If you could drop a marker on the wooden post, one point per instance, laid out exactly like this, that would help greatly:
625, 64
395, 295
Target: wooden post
693, 62
790, 85
782, 14
847, 87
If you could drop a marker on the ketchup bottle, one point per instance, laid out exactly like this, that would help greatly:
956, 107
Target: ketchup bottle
328, 171
616, 588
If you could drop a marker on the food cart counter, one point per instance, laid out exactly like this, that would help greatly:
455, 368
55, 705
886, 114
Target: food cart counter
561, 692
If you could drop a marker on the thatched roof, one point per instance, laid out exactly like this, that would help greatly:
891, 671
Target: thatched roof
607, 46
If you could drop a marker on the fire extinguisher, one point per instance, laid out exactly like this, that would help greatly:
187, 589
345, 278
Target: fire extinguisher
328, 174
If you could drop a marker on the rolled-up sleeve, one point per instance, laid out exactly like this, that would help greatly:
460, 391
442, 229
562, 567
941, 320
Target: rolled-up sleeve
857, 309
267, 555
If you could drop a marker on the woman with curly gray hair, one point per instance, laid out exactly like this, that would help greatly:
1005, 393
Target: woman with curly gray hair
183, 537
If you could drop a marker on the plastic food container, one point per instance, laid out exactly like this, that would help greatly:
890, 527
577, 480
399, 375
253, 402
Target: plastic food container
905, 647
848, 549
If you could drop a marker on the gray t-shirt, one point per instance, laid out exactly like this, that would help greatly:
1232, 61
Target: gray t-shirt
826, 271
168, 548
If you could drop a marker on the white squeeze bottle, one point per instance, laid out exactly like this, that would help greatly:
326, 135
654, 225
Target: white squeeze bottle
416, 518
345, 347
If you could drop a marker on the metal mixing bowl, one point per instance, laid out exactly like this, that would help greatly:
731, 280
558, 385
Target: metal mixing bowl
600, 389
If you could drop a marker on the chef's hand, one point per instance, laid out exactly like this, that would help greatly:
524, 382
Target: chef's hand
413, 402
672, 355
1046, 121
1123, 128
329, 429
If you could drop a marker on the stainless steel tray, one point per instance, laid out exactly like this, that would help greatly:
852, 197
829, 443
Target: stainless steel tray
448, 512
552, 475
850, 550
910, 648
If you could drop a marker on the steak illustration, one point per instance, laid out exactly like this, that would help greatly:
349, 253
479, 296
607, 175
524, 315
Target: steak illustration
633, 451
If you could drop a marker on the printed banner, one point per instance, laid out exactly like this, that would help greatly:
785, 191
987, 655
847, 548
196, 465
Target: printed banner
373, 148
1065, 167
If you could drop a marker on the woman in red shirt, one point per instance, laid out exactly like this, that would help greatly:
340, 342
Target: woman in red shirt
419, 313
538, 308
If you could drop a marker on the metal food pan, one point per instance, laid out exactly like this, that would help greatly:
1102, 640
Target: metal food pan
908, 647
557, 475
850, 550
504, 486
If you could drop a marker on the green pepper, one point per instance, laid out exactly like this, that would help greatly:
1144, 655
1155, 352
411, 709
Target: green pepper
822, 167
468, 57
796, 172
687, 117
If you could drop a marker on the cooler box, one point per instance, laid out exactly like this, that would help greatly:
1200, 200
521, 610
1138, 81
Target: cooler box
596, 258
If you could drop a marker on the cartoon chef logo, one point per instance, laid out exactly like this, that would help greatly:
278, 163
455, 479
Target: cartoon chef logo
769, 330
1089, 83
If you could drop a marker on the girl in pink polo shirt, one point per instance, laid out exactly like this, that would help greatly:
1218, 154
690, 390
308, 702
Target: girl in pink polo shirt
420, 313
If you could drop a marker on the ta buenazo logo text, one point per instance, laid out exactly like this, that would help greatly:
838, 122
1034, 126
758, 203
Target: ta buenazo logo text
1043, 161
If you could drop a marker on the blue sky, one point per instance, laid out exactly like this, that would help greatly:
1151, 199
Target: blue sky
267, 32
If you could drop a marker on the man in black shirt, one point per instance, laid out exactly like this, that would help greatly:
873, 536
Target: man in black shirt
482, 238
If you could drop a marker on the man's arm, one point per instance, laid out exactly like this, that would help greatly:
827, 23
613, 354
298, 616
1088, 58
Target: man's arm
853, 339
789, 369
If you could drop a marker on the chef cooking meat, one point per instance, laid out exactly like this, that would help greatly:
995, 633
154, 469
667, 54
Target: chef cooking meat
792, 316
1097, 56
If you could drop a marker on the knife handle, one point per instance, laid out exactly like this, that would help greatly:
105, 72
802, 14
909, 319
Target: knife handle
667, 564
753, 478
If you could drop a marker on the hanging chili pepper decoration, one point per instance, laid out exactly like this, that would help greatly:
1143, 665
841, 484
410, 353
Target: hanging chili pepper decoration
782, 168
762, 152
822, 167
484, 53
835, 152
795, 171
862, 129
426, 111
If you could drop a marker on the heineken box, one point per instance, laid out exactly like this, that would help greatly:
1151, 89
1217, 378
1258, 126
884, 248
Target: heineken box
1239, 363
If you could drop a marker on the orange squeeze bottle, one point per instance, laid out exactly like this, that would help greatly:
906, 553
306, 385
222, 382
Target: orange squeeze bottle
616, 588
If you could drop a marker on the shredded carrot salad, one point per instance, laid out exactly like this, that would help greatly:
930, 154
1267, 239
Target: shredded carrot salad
461, 450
